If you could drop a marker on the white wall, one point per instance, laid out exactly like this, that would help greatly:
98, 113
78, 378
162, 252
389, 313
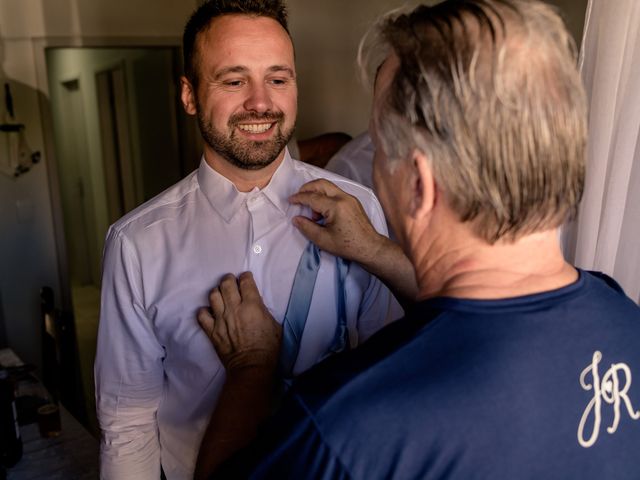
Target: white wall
326, 35
28, 255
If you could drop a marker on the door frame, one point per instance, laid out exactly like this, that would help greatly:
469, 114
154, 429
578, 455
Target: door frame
40, 45
76, 395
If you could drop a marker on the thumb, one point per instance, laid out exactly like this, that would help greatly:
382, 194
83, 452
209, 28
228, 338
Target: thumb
311, 230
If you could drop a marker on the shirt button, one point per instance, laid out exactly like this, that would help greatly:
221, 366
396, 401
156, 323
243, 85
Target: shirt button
257, 249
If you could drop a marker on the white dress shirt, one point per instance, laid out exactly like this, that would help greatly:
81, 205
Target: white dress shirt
355, 160
157, 374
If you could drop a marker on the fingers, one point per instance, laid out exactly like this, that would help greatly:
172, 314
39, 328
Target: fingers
239, 326
320, 195
219, 325
216, 302
215, 329
248, 288
229, 290
325, 198
224, 301
320, 186
205, 320
312, 231
317, 202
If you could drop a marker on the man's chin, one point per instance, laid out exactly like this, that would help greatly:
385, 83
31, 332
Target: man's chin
253, 162
244, 153
254, 155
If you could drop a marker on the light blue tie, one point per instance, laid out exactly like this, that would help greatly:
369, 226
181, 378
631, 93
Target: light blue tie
298, 308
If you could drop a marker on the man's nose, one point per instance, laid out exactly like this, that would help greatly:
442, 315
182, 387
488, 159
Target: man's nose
259, 99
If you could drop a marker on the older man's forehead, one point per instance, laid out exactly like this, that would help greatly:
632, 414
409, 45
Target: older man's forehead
384, 76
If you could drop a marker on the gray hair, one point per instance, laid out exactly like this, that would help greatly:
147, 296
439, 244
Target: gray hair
489, 91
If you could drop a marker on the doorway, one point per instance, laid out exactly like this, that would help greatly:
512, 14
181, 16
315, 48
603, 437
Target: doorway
116, 142
120, 138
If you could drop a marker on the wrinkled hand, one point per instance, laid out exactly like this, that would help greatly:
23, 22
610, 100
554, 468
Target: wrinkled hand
346, 231
242, 330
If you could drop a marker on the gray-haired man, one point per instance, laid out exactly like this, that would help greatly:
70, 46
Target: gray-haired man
512, 363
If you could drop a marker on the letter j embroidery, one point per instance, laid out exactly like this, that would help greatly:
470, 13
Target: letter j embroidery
612, 389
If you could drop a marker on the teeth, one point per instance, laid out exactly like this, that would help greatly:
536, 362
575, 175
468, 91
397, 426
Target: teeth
255, 128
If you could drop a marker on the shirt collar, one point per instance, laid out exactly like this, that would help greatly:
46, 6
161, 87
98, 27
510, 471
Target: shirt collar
225, 198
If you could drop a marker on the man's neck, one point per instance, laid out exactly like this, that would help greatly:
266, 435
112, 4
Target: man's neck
464, 266
244, 180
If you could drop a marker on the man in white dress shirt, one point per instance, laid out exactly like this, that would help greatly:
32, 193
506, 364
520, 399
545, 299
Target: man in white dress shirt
355, 160
156, 374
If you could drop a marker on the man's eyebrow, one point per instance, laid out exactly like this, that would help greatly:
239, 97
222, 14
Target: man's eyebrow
281, 68
242, 69
233, 69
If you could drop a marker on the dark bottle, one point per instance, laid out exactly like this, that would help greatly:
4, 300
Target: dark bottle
10, 441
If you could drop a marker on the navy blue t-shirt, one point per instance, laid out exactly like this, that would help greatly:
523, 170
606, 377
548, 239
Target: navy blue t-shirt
538, 386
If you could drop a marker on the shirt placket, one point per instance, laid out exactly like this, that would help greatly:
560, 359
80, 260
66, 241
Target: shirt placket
259, 227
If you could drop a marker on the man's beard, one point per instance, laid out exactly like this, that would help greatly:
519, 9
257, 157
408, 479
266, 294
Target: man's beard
246, 154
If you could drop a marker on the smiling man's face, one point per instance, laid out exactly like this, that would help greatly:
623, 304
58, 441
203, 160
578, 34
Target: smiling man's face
246, 96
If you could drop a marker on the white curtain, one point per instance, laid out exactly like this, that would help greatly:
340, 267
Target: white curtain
606, 234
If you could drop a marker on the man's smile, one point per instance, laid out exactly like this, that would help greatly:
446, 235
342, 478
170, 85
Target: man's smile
255, 127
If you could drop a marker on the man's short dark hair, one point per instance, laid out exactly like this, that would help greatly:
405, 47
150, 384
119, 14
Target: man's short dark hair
211, 9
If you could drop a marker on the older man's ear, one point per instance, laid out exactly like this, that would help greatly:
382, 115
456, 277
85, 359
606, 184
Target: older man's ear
424, 187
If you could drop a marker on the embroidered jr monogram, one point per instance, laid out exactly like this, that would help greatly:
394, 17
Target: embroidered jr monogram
613, 389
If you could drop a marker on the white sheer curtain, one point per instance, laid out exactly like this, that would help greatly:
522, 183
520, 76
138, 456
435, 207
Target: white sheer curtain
606, 235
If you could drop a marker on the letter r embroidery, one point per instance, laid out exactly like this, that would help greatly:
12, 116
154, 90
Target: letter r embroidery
613, 389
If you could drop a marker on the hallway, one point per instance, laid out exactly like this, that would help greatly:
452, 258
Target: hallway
86, 306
